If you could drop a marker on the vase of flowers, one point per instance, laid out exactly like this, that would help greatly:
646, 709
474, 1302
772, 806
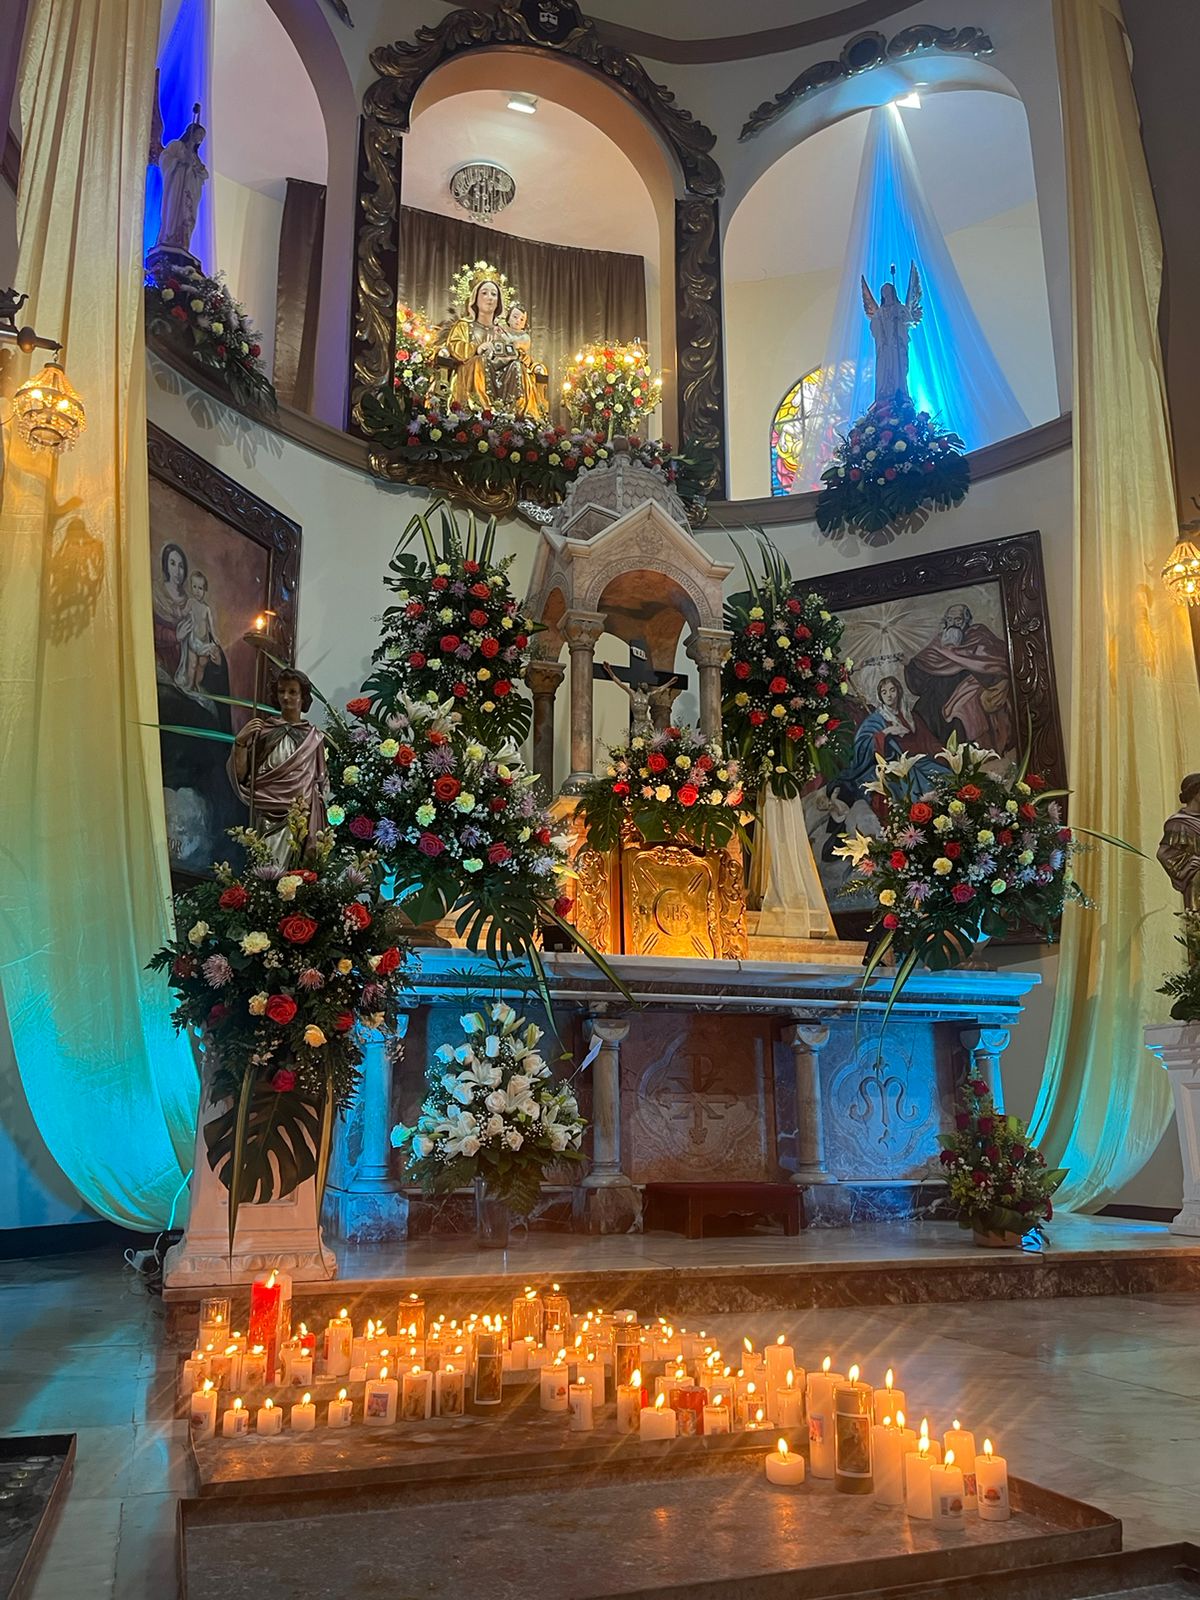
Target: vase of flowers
894, 464
494, 1117
999, 1183
273, 970
609, 387
199, 317
669, 786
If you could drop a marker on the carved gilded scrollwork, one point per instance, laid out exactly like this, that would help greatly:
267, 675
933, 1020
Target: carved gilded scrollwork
594, 913
376, 254
698, 332
731, 906
444, 477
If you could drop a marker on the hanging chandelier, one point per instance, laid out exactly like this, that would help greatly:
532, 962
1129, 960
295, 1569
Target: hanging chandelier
483, 189
47, 411
1182, 571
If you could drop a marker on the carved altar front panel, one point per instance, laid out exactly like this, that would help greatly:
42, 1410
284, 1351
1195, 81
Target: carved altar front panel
696, 1098
885, 1108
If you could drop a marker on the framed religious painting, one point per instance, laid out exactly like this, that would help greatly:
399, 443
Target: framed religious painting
957, 642
220, 559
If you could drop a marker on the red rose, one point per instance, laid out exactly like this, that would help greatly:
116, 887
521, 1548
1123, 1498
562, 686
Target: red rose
498, 853
460, 691
447, 788
449, 643
1035, 780
898, 860
970, 791
478, 619
439, 584
416, 659
233, 898
756, 630
688, 794
414, 608
542, 836
793, 606
821, 688
854, 474
283, 1081
430, 845
297, 929
388, 961
704, 763
405, 756
1063, 836
460, 437
281, 1008
795, 731
1005, 836
962, 893
489, 647
472, 567
359, 706
436, 737
920, 812
256, 350
891, 920
501, 688
564, 905
1029, 812
802, 632
952, 849
357, 915
986, 1124
832, 725
306, 873
741, 669
480, 591
978, 1087
889, 473
498, 802
522, 640
343, 1022
804, 663
183, 967
779, 686
757, 718
947, 1158
179, 313
962, 1120
656, 761
362, 827
620, 788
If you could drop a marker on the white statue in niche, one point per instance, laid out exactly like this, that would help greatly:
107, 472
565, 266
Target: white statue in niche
891, 318
184, 176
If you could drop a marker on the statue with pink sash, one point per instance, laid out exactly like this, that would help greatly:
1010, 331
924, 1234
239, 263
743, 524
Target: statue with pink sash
279, 763
1179, 856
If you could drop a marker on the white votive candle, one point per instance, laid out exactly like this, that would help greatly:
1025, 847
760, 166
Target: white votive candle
629, 1403
783, 1467
716, 1416
192, 1374
297, 1366
962, 1441
591, 1372
657, 1421
820, 1419
235, 1422
889, 1400
254, 1368
338, 1413
304, 1415
339, 1342
991, 1483
579, 1402
889, 1445
946, 1495
379, 1401
552, 1388
917, 1490
416, 1395
780, 1359
270, 1419
449, 1391
202, 1412
787, 1401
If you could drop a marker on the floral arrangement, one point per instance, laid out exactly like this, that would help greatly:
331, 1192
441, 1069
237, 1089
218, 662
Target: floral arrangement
414, 371
895, 463
273, 970
672, 786
491, 451
965, 851
494, 1111
783, 680
456, 632
198, 315
999, 1183
609, 387
1184, 987
460, 826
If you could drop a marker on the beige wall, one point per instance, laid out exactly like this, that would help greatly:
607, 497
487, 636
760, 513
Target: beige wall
247, 244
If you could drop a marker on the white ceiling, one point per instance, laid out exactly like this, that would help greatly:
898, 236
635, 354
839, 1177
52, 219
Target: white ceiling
574, 185
266, 123
971, 148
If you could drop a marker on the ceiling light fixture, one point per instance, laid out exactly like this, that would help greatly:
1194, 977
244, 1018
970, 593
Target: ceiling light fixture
49, 414
483, 189
911, 102
523, 102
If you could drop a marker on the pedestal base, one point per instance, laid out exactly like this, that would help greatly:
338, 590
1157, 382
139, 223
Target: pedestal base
610, 1208
364, 1218
1177, 1046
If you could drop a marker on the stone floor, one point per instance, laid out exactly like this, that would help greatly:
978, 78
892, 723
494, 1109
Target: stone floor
1099, 1397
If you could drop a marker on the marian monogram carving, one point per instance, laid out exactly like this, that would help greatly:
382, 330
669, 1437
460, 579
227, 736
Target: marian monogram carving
699, 1113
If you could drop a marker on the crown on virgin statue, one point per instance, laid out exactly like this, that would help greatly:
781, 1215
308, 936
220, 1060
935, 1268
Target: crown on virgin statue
468, 279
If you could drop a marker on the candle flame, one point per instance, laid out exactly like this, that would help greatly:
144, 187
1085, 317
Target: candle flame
414, 1296
303, 1329
791, 1377
826, 1364
758, 1416
987, 1448
779, 1340
718, 1400
748, 1345
660, 1402
887, 1422
268, 1404
554, 1286
260, 623
783, 1448
237, 1404
530, 1294
208, 1383
341, 1394
271, 1279
888, 1378
307, 1398
635, 1378
899, 1419
257, 1351
416, 1372
957, 1425
231, 1349
949, 1462
924, 1427
853, 1373
383, 1372
923, 1446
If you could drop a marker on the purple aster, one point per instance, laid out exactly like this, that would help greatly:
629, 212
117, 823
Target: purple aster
526, 805
439, 758
373, 996
269, 873
392, 785
917, 891
311, 978
386, 833
458, 590
472, 836
463, 653
414, 427
909, 838
218, 971
359, 734
354, 879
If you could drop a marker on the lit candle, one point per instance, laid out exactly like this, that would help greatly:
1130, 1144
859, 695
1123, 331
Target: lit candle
214, 1320
270, 1314
449, 1394
946, 1496
962, 1441
748, 1401
270, 1419
591, 1372
528, 1317
579, 1401
363, 1346
820, 1419
783, 1467
307, 1341
558, 1318
489, 1363
376, 1362
379, 1401
304, 1415
688, 1400
416, 1395
630, 1399
225, 1368
411, 1315
889, 1400
553, 1386
254, 1368
935, 1449
339, 1412
781, 1359
202, 1412
716, 1416
339, 1341
787, 1401
917, 1487
235, 1422
890, 1443
991, 1480
193, 1373
852, 1436
657, 1421
752, 1361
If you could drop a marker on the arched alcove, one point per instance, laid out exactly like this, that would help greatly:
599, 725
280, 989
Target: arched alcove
785, 244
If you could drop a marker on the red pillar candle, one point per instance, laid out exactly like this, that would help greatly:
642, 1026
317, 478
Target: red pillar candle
270, 1315
688, 1402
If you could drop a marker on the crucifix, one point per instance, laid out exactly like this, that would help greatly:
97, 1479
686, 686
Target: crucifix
650, 692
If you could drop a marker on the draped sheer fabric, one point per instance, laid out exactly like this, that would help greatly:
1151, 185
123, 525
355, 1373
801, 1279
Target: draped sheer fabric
573, 296
952, 370
1135, 706
84, 890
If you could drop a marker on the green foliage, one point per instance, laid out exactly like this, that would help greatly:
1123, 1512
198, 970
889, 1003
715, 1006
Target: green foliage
998, 1181
1183, 988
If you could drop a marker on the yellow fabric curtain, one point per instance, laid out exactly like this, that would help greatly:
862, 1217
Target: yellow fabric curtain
1135, 708
84, 891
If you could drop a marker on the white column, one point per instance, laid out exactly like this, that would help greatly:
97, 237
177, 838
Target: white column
985, 1046
807, 1040
581, 629
708, 647
606, 1103
1177, 1046
543, 678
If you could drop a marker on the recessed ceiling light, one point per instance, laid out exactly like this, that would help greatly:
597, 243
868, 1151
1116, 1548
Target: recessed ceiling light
911, 102
523, 102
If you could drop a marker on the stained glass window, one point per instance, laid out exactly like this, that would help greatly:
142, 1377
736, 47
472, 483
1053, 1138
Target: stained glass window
787, 431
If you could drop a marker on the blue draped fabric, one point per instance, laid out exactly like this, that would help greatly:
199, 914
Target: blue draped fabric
184, 67
952, 372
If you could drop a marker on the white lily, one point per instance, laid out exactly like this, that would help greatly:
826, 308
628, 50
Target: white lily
854, 849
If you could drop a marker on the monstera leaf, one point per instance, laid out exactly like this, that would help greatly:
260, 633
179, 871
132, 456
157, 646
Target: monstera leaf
280, 1145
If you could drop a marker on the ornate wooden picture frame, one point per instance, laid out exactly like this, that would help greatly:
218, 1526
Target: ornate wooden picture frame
220, 557
957, 640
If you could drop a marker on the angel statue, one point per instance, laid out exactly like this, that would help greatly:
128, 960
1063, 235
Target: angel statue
645, 700
891, 318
